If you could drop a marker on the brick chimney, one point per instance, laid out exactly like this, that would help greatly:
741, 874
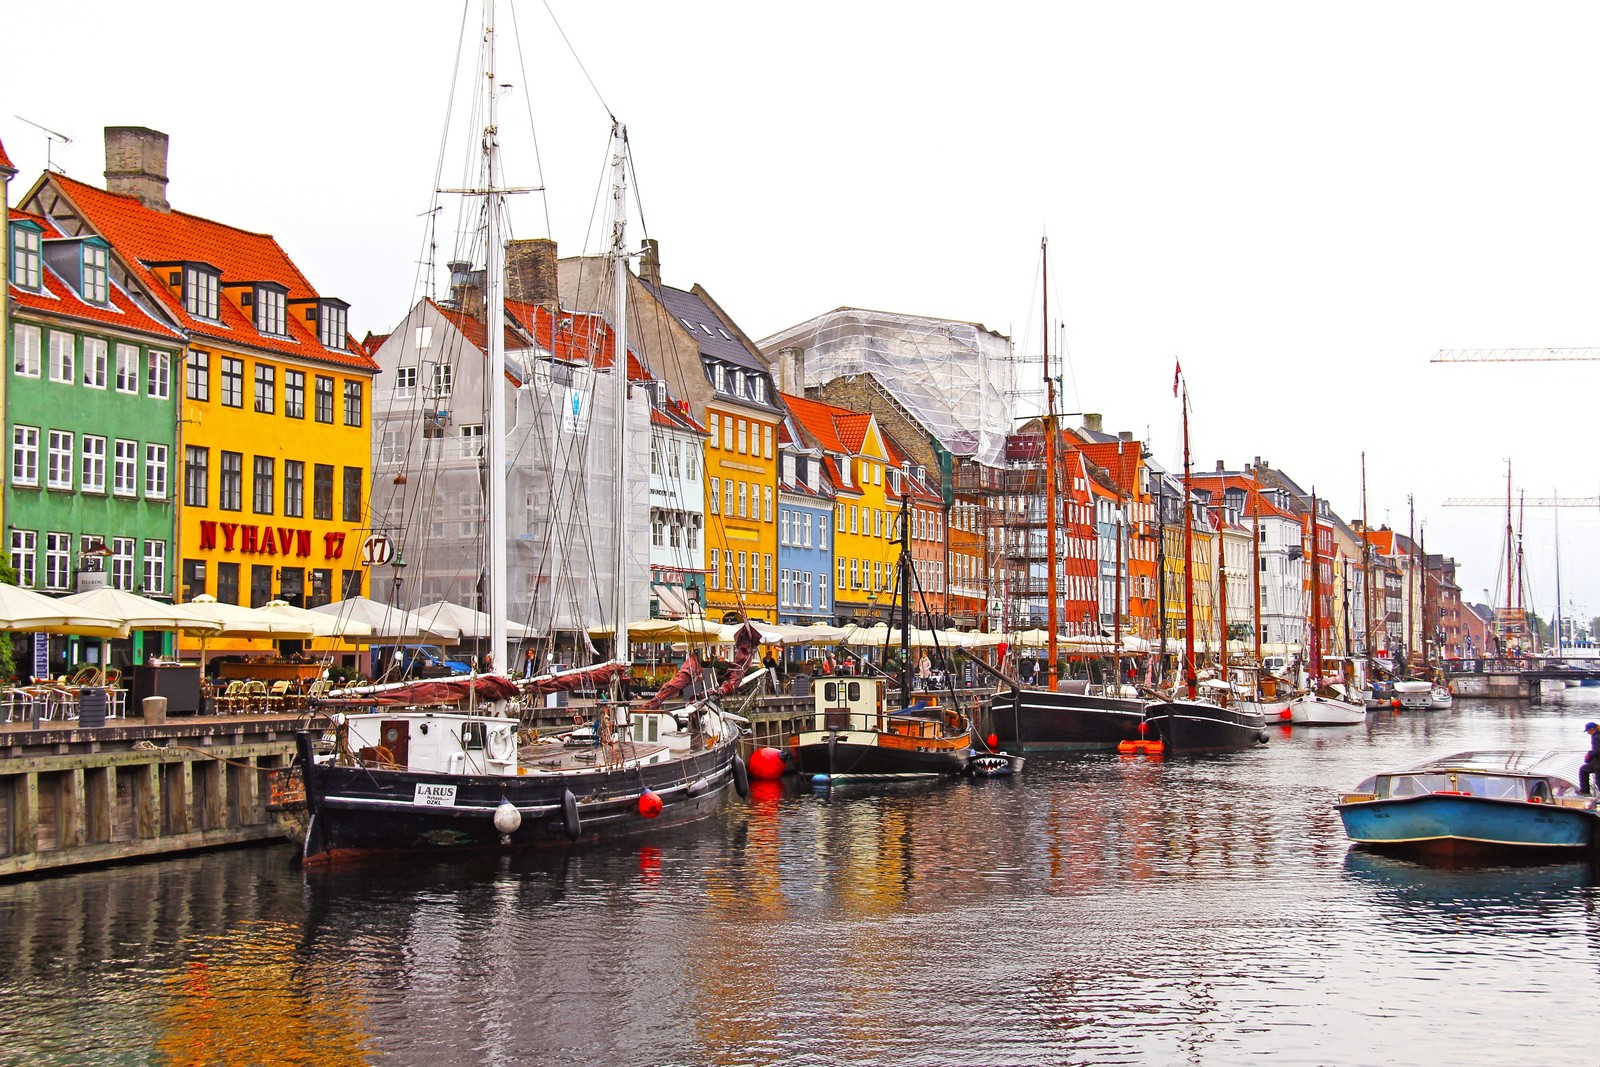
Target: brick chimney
531, 272
650, 262
136, 165
792, 371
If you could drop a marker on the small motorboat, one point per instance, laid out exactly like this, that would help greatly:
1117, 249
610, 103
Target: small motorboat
1414, 695
1473, 805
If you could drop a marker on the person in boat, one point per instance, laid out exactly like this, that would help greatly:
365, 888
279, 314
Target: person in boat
1591, 761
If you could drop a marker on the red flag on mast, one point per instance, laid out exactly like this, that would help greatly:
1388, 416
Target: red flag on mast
1177, 373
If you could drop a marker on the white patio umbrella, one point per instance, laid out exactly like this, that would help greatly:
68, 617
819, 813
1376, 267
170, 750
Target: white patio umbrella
239, 621
322, 626
388, 622
469, 622
23, 610
141, 613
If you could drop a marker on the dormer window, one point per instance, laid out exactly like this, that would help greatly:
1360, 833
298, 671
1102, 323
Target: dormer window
25, 264
201, 286
272, 310
96, 273
331, 323
758, 388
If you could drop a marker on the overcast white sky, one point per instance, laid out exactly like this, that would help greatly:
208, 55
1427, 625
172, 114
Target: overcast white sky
1301, 202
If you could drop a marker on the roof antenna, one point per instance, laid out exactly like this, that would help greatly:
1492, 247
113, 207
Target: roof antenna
50, 137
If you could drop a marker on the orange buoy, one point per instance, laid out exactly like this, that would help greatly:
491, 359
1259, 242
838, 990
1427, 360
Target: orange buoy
993, 740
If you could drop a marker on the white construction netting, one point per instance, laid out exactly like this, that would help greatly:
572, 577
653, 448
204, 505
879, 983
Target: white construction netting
957, 378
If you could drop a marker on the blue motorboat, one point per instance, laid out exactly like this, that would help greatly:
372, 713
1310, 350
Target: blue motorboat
1474, 805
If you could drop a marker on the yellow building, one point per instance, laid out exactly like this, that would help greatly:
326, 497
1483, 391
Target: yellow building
865, 550
274, 414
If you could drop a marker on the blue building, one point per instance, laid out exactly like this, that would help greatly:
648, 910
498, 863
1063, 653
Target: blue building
805, 540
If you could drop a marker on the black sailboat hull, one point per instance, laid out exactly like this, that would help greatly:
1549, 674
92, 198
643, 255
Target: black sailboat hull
1038, 720
852, 759
353, 811
1192, 726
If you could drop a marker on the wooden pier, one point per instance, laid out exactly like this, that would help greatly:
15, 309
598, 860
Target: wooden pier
71, 797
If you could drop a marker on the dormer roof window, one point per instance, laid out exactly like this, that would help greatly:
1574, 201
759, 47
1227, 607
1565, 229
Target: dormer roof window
758, 388
202, 285
271, 308
332, 323
26, 271
96, 287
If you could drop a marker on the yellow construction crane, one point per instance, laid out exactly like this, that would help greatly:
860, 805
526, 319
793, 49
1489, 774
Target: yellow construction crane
1515, 355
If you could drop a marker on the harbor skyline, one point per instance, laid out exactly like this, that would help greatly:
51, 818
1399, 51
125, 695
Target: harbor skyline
1298, 209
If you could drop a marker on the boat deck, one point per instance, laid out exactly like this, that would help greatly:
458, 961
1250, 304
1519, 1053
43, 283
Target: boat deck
551, 756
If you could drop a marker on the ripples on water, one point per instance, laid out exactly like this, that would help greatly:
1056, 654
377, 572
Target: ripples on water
1093, 911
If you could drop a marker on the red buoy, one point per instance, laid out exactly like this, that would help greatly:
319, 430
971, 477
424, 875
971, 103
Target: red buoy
767, 764
1285, 714
994, 740
649, 804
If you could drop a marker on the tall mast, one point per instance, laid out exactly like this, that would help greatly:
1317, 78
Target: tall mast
619, 370
903, 583
1222, 591
1049, 470
1426, 622
1366, 569
1411, 590
1116, 598
1510, 546
1316, 600
494, 281
1188, 557
1255, 559
1557, 515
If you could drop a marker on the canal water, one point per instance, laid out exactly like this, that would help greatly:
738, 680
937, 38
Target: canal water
1098, 910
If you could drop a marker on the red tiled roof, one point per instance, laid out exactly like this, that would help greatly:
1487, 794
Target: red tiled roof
60, 299
5, 161
584, 337
143, 236
836, 429
1254, 499
1120, 459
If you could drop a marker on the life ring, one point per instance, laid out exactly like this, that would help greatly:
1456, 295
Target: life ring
384, 757
741, 778
569, 816
500, 745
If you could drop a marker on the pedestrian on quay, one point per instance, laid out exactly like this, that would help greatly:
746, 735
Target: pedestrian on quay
1591, 761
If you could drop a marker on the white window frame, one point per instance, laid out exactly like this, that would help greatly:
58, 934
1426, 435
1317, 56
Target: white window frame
26, 340
57, 560
25, 455
25, 557
92, 464
127, 368
405, 382
59, 459
155, 472
125, 467
94, 363
63, 357
155, 568
158, 365
122, 549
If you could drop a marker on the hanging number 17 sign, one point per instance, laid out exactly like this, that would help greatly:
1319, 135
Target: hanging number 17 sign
377, 550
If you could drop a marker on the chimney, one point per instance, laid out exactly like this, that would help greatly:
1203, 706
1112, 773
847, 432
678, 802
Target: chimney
531, 272
792, 371
466, 289
1125, 435
1091, 422
136, 165
650, 262
1220, 467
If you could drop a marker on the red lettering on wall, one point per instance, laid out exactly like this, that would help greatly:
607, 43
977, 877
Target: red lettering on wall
285, 539
228, 530
302, 543
247, 540
333, 546
208, 534
268, 546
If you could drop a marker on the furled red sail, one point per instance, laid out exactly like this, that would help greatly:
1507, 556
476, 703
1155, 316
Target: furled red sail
687, 675
745, 644
581, 678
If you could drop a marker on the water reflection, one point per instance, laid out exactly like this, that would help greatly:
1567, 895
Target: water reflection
1093, 910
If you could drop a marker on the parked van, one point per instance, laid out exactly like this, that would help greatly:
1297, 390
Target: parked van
394, 662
